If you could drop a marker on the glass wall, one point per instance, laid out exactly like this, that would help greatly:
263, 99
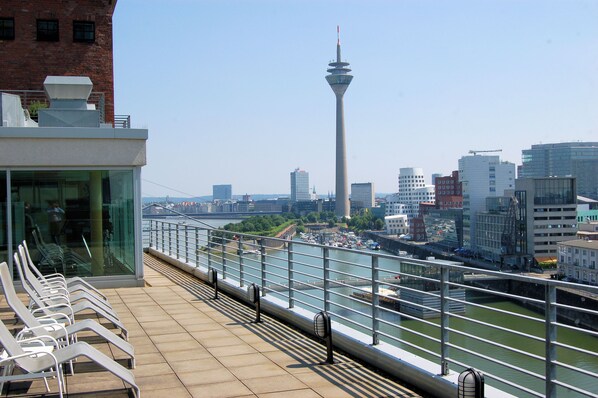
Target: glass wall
79, 222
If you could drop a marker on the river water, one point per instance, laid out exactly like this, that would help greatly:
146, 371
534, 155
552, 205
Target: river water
347, 310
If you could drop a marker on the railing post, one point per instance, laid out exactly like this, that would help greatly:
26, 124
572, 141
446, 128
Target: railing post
444, 319
241, 267
291, 281
151, 230
263, 266
224, 243
375, 300
186, 243
169, 240
209, 234
177, 242
196, 229
551, 328
325, 256
162, 229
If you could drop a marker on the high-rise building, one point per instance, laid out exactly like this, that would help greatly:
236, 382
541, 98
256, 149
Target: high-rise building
549, 213
481, 176
222, 192
574, 159
362, 195
300, 186
339, 80
42, 38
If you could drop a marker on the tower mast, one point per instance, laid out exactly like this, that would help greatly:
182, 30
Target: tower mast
339, 80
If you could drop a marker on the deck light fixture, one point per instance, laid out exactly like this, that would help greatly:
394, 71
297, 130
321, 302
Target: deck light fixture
323, 330
471, 384
213, 280
253, 295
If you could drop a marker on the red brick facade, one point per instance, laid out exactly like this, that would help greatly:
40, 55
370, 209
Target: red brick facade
25, 62
448, 191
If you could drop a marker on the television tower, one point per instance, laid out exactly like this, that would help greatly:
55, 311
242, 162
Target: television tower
339, 80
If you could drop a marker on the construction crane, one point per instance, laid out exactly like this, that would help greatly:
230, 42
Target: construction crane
484, 151
509, 234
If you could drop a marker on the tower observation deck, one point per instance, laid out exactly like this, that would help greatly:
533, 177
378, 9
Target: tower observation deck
339, 80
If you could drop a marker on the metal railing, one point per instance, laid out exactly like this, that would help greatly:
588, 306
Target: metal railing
511, 327
30, 97
122, 121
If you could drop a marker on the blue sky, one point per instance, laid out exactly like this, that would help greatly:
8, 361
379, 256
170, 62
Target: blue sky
233, 92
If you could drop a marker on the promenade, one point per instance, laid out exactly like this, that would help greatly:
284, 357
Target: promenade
189, 345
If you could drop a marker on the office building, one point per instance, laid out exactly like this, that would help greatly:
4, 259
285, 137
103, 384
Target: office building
222, 192
548, 214
42, 38
481, 176
339, 80
396, 225
362, 195
300, 186
567, 159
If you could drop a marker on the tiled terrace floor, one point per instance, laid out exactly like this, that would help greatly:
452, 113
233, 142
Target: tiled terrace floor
189, 345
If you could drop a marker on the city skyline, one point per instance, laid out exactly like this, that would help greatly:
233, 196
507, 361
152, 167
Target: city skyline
434, 80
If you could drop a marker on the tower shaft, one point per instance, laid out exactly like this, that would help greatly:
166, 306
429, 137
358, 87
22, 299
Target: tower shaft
342, 195
339, 80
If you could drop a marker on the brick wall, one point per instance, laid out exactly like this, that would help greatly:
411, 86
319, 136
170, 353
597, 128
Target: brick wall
25, 62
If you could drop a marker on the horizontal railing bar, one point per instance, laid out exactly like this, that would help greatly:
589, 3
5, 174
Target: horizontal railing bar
574, 308
498, 310
497, 361
350, 321
493, 326
576, 389
572, 348
576, 369
571, 327
497, 293
409, 344
495, 344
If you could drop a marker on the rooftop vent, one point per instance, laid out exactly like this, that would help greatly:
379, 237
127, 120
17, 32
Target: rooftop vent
68, 103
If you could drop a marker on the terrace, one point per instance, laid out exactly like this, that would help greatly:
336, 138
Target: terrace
189, 345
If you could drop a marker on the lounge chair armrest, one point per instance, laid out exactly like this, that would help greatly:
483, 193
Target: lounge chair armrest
55, 317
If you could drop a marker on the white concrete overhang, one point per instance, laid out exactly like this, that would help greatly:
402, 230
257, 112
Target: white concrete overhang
72, 147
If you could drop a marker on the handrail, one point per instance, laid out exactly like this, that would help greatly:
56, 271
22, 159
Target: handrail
30, 96
491, 330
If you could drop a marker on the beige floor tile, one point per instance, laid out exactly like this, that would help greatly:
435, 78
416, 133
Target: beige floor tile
307, 393
209, 376
243, 360
280, 383
232, 350
222, 390
153, 369
258, 370
196, 365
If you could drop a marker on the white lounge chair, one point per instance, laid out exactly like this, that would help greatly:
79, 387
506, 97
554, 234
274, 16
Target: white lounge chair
57, 305
38, 364
52, 326
47, 290
72, 284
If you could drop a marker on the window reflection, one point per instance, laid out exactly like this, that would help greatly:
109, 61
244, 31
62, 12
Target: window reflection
79, 222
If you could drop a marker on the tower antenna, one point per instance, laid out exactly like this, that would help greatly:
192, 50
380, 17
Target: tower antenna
338, 35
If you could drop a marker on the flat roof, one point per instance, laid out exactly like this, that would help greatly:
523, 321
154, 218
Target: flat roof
585, 244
